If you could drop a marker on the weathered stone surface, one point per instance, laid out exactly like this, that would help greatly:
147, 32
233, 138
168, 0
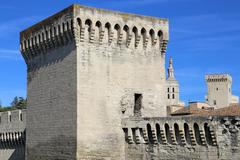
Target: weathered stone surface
204, 138
12, 135
82, 62
97, 91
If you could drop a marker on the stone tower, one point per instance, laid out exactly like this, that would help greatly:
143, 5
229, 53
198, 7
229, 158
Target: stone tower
87, 69
172, 86
220, 90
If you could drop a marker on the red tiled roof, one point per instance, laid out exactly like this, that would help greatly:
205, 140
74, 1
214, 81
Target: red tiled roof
233, 110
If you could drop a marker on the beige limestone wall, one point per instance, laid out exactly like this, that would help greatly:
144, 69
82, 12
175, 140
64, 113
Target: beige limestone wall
112, 65
189, 137
84, 67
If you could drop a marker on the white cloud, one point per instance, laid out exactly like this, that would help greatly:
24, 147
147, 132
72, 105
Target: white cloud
10, 54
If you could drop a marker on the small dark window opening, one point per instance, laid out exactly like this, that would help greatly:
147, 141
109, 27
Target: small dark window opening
168, 96
217, 89
125, 130
173, 96
173, 89
21, 118
10, 118
215, 102
168, 90
137, 104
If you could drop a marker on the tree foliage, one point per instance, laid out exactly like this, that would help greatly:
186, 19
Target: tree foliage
17, 103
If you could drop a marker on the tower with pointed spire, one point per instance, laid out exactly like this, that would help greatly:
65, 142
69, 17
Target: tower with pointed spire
172, 87
170, 70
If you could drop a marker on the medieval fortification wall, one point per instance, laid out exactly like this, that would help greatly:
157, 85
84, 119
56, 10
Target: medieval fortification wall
163, 138
92, 76
12, 135
208, 138
85, 66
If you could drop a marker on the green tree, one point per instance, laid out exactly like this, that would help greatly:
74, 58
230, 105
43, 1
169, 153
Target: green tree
22, 103
14, 102
19, 103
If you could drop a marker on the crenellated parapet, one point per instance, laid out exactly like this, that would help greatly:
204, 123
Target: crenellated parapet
218, 78
12, 121
54, 32
91, 26
119, 33
184, 131
101, 27
187, 137
12, 129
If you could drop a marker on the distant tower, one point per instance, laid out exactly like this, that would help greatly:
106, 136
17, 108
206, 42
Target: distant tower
170, 70
172, 86
220, 90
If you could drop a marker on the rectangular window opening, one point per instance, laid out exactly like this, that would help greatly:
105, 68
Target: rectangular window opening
21, 118
137, 104
10, 118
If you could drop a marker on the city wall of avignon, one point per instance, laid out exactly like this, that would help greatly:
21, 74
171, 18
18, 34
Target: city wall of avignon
84, 67
188, 137
12, 135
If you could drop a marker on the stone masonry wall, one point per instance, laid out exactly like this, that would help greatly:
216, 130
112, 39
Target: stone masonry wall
50, 53
185, 138
118, 55
12, 135
84, 67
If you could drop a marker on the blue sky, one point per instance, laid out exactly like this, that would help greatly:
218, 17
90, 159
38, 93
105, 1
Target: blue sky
204, 38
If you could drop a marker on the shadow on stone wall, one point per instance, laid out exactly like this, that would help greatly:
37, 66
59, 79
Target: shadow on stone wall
12, 146
58, 148
18, 154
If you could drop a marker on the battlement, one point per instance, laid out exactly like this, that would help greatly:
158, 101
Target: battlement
12, 120
171, 131
12, 132
53, 32
80, 24
218, 78
188, 137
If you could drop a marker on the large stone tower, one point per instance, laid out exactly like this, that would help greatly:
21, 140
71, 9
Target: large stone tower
87, 69
220, 90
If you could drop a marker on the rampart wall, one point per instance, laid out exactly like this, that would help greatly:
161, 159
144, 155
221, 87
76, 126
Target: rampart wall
12, 135
182, 138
